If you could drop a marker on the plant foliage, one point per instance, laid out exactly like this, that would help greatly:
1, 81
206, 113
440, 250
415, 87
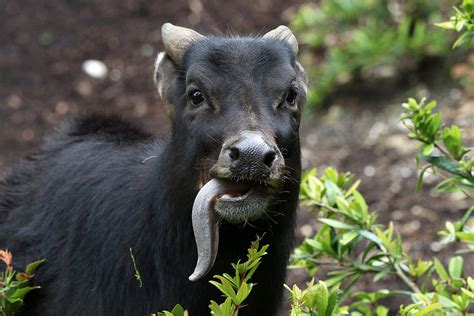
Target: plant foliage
352, 242
235, 288
14, 285
344, 40
463, 22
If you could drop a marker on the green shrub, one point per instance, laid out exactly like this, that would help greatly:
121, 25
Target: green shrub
13, 284
342, 40
235, 289
351, 240
462, 21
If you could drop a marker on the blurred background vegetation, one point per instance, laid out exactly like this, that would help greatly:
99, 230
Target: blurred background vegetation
363, 57
349, 41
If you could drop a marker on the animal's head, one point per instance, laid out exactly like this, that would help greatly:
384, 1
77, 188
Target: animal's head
236, 104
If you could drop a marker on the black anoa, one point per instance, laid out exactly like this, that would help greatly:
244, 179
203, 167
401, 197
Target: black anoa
100, 186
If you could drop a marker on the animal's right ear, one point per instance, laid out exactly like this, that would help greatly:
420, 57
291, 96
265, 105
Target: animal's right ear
165, 76
176, 40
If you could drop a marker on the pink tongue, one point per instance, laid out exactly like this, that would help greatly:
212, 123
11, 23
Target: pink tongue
232, 194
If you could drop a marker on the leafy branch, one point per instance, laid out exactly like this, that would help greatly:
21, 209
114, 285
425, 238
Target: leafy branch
236, 288
13, 284
357, 245
441, 147
462, 22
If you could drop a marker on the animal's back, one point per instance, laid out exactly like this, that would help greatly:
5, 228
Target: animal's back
65, 204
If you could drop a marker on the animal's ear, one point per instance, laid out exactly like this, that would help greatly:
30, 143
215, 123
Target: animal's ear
176, 39
283, 33
302, 78
165, 77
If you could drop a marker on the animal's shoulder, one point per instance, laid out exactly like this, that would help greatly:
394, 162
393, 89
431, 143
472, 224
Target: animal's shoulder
106, 127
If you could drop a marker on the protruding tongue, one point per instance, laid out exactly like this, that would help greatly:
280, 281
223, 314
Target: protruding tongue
206, 224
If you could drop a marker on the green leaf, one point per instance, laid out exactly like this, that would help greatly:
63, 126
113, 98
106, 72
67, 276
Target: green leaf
243, 293
427, 149
419, 183
370, 236
442, 273
178, 310
467, 237
12, 306
432, 126
382, 273
31, 268
336, 224
332, 301
322, 297
455, 267
381, 311
428, 309
449, 25
225, 287
467, 37
332, 190
445, 164
346, 238
452, 141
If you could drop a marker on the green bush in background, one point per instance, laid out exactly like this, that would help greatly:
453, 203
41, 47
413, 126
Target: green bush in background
343, 40
462, 21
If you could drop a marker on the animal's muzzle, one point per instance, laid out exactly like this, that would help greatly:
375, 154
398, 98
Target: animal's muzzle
252, 156
245, 178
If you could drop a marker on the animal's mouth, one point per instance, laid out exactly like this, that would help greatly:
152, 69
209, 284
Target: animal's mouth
241, 190
234, 201
244, 201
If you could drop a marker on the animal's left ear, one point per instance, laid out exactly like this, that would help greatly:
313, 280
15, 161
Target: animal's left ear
302, 78
283, 33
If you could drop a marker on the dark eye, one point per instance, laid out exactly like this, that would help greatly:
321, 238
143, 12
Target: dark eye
291, 96
196, 97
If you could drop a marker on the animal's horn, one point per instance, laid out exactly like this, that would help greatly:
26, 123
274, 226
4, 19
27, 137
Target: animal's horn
284, 33
206, 225
176, 39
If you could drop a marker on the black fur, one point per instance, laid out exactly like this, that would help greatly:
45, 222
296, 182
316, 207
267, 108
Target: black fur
100, 186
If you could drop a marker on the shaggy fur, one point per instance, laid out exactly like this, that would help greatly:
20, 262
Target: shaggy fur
95, 190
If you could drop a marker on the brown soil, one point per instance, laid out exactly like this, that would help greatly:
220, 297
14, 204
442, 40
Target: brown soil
45, 42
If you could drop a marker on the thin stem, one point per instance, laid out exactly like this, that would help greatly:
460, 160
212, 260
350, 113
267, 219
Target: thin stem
400, 272
467, 194
444, 151
332, 209
406, 279
329, 263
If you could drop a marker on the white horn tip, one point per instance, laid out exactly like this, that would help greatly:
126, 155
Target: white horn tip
283, 33
194, 277
165, 27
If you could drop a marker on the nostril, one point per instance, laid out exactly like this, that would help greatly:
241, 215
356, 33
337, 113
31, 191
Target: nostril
234, 153
269, 158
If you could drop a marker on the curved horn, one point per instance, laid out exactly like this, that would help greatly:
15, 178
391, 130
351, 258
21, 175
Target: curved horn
283, 33
206, 225
206, 228
176, 39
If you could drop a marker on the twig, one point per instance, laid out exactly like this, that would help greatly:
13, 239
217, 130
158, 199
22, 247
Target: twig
332, 209
444, 151
406, 279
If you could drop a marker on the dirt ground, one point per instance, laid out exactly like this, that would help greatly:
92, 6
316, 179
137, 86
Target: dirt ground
45, 42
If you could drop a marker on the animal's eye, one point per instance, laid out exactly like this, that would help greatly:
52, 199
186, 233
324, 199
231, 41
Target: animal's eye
196, 97
291, 96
